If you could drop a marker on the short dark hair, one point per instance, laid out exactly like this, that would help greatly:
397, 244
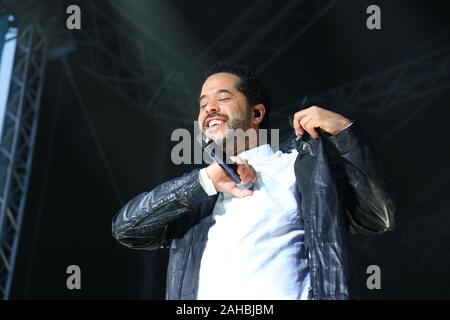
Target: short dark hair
250, 86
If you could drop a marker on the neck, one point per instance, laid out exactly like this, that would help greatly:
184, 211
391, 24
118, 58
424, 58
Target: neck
240, 143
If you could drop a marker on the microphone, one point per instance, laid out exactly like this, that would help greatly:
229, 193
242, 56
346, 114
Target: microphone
224, 161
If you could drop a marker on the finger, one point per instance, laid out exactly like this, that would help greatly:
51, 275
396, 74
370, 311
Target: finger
298, 116
250, 178
242, 169
238, 160
250, 174
245, 177
235, 192
296, 122
305, 121
310, 128
303, 112
240, 193
246, 192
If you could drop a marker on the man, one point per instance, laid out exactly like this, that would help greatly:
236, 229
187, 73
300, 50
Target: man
285, 238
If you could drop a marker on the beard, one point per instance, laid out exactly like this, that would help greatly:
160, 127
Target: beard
229, 142
243, 124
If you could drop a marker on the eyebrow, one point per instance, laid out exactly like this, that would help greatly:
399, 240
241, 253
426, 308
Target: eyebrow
217, 91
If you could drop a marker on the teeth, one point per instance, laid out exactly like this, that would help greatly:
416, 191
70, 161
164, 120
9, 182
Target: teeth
215, 122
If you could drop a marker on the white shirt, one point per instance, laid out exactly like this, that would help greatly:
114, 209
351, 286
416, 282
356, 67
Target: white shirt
255, 249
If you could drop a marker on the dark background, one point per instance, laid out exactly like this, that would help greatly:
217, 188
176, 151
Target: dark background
97, 148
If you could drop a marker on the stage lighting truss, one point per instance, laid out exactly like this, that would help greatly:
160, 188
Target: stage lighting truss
17, 145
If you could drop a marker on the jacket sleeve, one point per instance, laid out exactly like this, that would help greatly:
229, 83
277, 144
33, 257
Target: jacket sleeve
368, 204
152, 219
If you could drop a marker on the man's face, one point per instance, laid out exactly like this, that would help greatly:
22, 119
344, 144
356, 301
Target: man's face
222, 106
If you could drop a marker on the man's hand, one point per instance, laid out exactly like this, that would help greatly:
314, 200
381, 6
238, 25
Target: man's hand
314, 117
223, 183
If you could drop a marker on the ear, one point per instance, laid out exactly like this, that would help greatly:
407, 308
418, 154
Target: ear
258, 113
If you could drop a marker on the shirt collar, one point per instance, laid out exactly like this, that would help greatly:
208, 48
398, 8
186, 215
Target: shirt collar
260, 152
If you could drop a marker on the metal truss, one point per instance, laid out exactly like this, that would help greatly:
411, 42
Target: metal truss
253, 33
141, 72
378, 95
266, 30
17, 144
380, 92
152, 78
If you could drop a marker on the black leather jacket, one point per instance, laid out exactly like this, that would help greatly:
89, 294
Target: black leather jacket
342, 189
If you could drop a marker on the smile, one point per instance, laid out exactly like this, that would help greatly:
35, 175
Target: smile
214, 122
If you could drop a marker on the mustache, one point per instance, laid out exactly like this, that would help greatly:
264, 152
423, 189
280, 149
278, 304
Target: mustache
215, 114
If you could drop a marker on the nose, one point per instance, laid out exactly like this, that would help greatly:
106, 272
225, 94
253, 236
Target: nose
212, 107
